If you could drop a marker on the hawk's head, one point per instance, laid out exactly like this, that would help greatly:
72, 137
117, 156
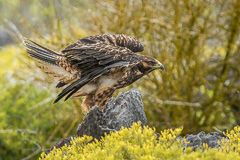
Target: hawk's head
148, 64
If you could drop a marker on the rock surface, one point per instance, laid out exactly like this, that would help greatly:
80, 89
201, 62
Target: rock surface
196, 141
121, 111
61, 143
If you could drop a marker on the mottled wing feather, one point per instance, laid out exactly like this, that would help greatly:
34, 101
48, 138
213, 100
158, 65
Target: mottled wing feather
119, 40
99, 55
60, 84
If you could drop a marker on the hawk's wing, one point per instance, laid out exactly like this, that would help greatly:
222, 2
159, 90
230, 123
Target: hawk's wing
95, 55
118, 40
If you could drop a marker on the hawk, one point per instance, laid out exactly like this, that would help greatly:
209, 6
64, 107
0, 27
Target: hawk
94, 66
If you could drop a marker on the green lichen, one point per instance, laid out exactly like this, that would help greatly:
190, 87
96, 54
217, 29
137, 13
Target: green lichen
140, 143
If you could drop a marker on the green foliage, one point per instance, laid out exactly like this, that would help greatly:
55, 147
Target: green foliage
140, 143
29, 122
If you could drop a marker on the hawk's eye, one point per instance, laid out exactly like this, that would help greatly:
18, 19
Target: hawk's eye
152, 63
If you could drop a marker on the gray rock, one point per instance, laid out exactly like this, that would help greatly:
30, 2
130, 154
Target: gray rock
196, 141
61, 143
121, 111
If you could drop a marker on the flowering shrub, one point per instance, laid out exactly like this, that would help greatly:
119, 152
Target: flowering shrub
141, 143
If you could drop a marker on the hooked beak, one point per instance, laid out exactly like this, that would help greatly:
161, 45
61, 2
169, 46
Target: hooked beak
160, 66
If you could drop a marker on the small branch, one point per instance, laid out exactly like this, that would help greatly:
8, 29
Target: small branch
178, 103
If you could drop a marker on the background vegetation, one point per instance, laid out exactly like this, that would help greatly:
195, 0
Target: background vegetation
197, 41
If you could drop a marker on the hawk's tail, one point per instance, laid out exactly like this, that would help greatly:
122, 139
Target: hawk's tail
40, 53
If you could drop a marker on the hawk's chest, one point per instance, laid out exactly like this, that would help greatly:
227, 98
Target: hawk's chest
108, 80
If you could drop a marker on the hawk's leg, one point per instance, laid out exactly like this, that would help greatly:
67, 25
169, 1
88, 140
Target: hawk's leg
88, 102
101, 98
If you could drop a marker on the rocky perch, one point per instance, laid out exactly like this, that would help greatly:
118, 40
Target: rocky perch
123, 111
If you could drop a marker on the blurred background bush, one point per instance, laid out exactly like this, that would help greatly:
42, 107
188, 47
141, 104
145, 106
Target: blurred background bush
197, 41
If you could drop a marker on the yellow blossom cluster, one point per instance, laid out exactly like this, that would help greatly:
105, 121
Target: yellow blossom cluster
140, 143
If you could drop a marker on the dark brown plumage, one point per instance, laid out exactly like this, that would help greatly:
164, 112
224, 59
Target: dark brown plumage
94, 66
